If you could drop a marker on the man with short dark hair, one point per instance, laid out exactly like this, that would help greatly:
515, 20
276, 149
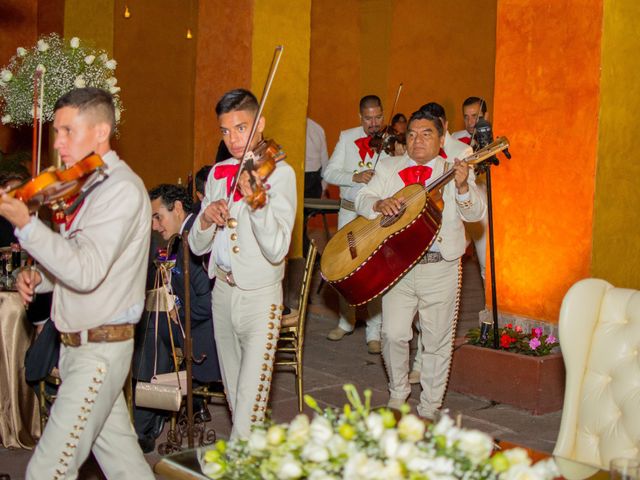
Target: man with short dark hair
171, 215
473, 109
432, 287
248, 248
96, 267
351, 167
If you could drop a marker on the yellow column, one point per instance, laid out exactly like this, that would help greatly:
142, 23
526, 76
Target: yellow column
616, 219
282, 22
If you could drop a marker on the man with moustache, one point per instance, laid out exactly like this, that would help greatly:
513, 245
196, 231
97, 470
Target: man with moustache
248, 249
473, 109
432, 287
351, 167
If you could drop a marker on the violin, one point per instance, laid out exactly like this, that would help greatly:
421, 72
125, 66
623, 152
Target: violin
386, 140
53, 187
263, 162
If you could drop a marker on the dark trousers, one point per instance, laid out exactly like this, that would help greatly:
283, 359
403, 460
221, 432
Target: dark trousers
312, 184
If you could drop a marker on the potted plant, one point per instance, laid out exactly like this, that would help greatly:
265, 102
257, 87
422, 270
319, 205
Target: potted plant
526, 371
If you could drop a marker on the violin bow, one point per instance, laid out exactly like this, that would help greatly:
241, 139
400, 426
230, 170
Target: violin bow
265, 93
393, 108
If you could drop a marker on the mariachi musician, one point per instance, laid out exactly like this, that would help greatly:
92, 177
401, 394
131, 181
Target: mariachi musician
351, 166
432, 287
248, 247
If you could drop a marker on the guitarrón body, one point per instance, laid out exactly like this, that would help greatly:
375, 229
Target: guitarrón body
388, 251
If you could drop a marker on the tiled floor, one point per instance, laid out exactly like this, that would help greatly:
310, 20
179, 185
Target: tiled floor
328, 365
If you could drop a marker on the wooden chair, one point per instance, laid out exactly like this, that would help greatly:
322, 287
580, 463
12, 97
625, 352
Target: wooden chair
291, 341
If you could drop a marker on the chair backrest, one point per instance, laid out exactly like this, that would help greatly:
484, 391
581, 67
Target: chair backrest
303, 300
599, 331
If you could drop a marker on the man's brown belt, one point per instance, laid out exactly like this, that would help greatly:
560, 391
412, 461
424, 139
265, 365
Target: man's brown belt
105, 333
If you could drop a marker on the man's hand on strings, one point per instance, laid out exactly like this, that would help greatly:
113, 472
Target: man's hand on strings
14, 210
363, 177
26, 283
215, 213
461, 176
389, 206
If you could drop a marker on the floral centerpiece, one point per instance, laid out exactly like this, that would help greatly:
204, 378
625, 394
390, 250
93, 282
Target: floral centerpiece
515, 339
65, 65
358, 443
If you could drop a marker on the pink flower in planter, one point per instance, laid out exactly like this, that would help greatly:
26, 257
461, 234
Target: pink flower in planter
534, 343
508, 325
518, 329
551, 339
536, 332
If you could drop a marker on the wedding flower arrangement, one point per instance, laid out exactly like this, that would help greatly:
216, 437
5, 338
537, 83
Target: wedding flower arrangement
64, 65
515, 339
358, 443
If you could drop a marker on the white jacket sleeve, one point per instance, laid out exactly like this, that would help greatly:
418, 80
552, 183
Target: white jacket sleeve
337, 171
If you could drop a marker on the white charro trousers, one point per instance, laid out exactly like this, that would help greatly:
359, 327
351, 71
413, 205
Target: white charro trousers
433, 291
347, 318
90, 415
247, 327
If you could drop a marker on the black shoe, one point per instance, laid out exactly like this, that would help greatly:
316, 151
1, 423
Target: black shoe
147, 443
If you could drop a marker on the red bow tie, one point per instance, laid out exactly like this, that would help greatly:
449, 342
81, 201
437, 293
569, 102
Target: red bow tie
466, 140
364, 147
229, 172
442, 154
417, 174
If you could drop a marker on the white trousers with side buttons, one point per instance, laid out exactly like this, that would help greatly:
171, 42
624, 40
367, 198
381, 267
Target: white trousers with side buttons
247, 327
432, 290
90, 415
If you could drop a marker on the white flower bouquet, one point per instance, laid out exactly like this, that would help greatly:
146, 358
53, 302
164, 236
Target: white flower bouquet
358, 443
64, 65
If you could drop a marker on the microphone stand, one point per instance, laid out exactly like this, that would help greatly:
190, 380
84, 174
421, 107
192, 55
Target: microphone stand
492, 261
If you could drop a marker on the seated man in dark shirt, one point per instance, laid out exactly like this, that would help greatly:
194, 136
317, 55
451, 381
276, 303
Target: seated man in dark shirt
171, 209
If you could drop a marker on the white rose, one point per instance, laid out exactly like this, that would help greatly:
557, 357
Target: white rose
74, 42
361, 466
257, 440
315, 453
475, 445
114, 90
79, 82
321, 430
393, 469
275, 434
289, 468
111, 81
212, 470
546, 469
103, 57
390, 443
318, 474
41, 68
21, 51
375, 425
411, 428
299, 430
6, 75
517, 456
111, 64
337, 445
406, 451
43, 46
444, 425
89, 59
6, 119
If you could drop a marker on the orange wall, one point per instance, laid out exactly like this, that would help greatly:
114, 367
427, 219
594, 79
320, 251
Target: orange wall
223, 63
156, 74
546, 103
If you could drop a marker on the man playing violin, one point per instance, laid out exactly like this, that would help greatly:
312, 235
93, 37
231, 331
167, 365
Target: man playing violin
248, 248
432, 287
352, 166
473, 109
96, 267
